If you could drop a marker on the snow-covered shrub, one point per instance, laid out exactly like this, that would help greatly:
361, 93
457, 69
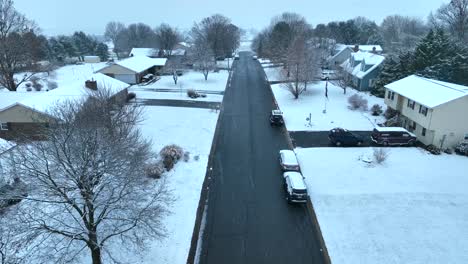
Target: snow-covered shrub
155, 170
28, 85
356, 102
390, 113
131, 96
51, 85
170, 155
376, 110
196, 157
380, 155
192, 94
36, 83
186, 156
29, 89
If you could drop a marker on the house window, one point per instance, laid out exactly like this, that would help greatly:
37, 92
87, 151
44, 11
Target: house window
3, 126
390, 95
423, 132
371, 82
411, 104
423, 110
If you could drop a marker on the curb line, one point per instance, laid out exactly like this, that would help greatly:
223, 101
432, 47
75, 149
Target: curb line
204, 195
310, 206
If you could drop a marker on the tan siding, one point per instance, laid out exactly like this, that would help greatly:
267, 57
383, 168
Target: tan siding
116, 69
21, 114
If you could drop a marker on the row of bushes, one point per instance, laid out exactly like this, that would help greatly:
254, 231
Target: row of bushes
357, 102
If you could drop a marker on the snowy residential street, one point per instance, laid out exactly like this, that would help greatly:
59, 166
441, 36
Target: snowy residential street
166, 132
413, 208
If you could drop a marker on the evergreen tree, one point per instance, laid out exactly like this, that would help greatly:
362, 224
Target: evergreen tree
436, 57
102, 51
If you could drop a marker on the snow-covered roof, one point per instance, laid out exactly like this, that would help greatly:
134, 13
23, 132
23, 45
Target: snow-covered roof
289, 157
296, 179
368, 48
366, 58
185, 44
339, 51
141, 63
428, 92
77, 91
8, 98
143, 52
390, 129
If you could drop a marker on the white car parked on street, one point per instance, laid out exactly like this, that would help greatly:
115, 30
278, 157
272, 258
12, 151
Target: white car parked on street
288, 160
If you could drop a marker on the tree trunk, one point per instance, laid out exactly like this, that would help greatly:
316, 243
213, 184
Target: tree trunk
11, 84
206, 75
96, 255
93, 245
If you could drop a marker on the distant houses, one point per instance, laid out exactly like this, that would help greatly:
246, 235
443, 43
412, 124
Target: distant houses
435, 111
363, 69
25, 114
133, 69
342, 53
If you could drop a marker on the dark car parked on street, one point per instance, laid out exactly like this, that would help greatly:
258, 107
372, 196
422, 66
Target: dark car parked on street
393, 136
342, 137
276, 118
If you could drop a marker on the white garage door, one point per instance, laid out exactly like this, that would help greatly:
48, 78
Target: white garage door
127, 78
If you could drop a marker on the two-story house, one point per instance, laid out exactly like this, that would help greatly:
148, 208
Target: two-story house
363, 68
435, 111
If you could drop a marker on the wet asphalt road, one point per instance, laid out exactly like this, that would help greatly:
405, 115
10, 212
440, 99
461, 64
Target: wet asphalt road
248, 219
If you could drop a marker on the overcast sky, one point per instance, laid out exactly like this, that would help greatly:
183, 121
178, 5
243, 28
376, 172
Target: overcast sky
66, 16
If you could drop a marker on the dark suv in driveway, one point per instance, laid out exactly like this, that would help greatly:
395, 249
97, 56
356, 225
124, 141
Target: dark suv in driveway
342, 137
393, 136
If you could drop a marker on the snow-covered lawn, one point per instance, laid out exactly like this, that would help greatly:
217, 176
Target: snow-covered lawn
193, 130
66, 75
313, 101
192, 80
411, 209
273, 73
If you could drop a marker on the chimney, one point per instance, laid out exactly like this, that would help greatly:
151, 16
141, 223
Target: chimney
91, 85
374, 50
356, 48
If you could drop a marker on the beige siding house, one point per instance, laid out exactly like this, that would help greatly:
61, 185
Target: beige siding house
25, 114
436, 112
133, 69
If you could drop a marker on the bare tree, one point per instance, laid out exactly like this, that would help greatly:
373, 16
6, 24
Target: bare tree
87, 188
113, 29
343, 79
167, 37
17, 46
455, 16
202, 56
302, 65
136, 36
219, 33
402, 32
